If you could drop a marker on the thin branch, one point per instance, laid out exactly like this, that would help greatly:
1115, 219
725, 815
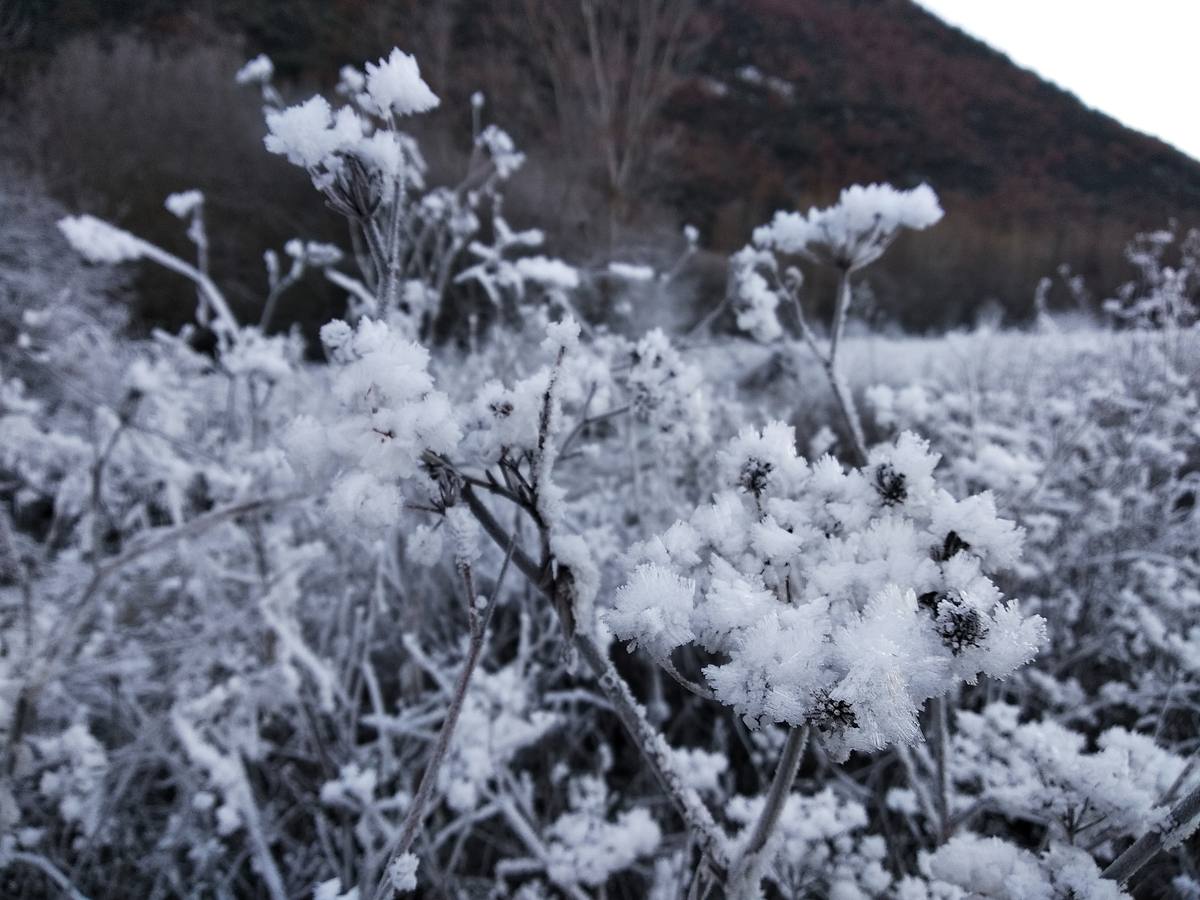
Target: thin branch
1175, 827
408, 829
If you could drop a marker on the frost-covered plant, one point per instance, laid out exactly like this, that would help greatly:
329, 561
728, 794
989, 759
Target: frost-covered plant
585, 846
822, 847
989, 868
1162, 296
855, 231
1044, 772
388, 416
840, 600
409, 236
847, 237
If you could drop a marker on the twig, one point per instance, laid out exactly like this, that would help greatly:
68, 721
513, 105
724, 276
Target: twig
1175, 827
408, 829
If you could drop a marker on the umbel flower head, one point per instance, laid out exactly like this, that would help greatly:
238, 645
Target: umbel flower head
856, 230
309, 133
841, 599
395, 86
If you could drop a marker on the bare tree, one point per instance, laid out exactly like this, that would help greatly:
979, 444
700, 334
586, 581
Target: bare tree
612, 66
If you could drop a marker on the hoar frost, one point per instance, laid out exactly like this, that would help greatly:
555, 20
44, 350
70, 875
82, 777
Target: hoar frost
98, 242
387, 415
857, 229
841, 599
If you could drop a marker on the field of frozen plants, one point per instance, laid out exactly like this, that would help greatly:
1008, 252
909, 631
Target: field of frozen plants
764, 606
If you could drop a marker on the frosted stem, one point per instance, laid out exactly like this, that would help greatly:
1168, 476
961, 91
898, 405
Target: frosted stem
745, 876
1178, 825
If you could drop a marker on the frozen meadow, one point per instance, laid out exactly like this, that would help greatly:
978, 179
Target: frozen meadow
767, 606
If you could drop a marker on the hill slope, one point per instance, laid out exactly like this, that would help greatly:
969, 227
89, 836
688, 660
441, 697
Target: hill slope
800, 97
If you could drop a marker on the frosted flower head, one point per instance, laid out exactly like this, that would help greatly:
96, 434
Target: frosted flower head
310, 134
552, 274
653, 610
585, 847
394, 86
665, 392
500, 148
259, 70
759, 462
834, 597
183, 204
856, 230
350, 81
403, 873
562, 337
384, 419
754, 300
98, 242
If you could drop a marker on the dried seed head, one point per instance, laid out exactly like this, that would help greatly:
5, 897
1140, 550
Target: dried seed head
754, 475
831, 715
890, 484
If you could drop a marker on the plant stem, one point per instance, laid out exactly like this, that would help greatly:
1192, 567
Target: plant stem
744, 877
408, 829
940, 750
1179, 823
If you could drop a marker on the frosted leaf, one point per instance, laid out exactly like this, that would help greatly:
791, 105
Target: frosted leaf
550, 273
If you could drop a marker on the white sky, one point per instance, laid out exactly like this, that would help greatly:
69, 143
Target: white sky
1138, 62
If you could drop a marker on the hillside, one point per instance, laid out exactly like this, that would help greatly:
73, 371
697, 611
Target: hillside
800, 97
